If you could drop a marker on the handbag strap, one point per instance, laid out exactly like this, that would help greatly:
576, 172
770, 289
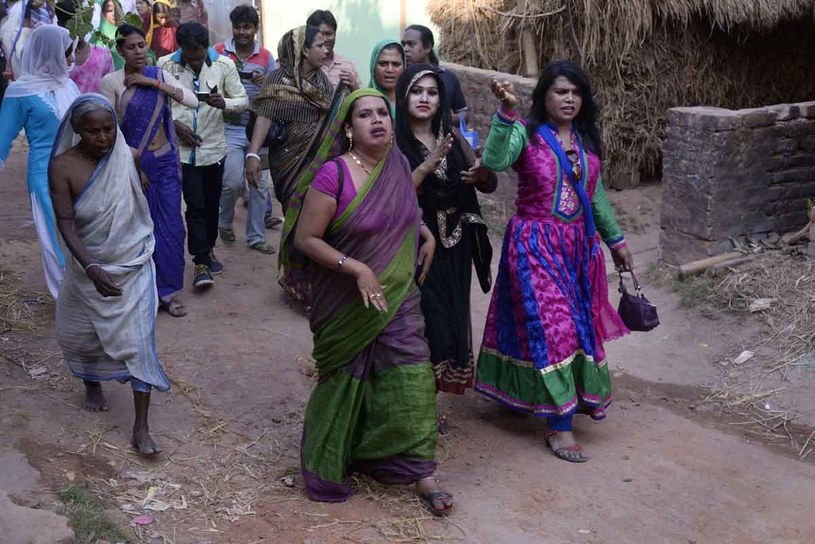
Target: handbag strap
637, 286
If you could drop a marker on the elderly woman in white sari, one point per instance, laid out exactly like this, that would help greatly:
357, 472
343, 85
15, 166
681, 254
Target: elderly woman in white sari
106, 311
36, 102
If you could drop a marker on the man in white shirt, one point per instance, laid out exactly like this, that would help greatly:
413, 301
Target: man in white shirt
202, 144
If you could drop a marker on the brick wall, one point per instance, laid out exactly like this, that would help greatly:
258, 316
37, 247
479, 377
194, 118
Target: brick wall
734, 174
482, 105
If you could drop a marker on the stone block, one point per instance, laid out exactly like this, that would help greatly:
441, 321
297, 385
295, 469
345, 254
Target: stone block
796, 175
807, 143
786, 145
705, 118
32, 526
807, 109
759, 117
787, 112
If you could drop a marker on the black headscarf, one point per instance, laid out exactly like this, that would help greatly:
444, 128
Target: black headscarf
436, 192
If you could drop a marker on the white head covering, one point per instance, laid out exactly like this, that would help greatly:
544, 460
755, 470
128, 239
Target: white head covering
44, 67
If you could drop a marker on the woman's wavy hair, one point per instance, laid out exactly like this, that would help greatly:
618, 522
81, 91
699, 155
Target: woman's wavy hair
586, 121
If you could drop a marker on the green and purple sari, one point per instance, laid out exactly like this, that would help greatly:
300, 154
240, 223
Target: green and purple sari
374, 408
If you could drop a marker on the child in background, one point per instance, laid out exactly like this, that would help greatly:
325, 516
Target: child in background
162, 38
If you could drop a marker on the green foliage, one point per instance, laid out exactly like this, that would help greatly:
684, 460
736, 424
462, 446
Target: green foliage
88, 518
134, 19
81, 24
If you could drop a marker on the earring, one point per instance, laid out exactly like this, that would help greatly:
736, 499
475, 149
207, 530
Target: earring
350, 137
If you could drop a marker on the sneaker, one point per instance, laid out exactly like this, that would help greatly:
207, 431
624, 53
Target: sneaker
271, 221
262, 247
227, 236
203, 278
215, 266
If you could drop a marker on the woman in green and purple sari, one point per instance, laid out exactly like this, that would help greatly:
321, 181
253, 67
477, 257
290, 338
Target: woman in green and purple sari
360, 228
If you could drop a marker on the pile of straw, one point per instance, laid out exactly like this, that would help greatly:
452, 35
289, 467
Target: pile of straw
645, 56
18, 308
780, 290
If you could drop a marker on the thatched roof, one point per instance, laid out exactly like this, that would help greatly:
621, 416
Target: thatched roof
645, 56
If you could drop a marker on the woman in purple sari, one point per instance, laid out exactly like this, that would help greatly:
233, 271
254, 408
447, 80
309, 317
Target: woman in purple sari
141, 95
359, 225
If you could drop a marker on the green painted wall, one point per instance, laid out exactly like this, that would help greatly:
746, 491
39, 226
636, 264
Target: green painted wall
361, 23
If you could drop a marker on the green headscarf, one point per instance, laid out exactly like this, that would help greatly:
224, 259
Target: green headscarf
375, 57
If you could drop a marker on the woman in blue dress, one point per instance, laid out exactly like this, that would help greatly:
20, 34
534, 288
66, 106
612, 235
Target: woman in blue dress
36, 101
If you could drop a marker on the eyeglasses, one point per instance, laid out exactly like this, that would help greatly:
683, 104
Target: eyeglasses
577, 169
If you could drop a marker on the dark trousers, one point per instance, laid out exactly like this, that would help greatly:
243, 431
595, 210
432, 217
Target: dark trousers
202, 194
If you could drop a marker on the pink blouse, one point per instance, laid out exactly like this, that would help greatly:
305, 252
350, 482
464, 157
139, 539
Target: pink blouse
88, 75
327, 181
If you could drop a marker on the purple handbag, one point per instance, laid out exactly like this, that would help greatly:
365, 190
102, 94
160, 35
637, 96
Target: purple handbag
636, 311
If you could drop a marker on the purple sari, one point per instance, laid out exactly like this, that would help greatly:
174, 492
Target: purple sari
373, 409
142, 112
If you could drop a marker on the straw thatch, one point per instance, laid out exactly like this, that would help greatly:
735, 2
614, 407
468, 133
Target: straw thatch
645, 56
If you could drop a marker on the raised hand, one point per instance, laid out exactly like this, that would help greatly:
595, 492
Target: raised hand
505, 92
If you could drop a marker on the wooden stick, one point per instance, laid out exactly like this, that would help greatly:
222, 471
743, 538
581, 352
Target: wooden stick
697, 267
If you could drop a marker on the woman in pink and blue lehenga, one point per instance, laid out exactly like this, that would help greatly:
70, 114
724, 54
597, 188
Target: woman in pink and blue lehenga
141, 95
549, 316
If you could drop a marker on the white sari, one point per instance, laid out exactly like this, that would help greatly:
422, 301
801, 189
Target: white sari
114, 337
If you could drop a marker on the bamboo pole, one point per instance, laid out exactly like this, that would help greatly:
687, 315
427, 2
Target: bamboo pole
529, 49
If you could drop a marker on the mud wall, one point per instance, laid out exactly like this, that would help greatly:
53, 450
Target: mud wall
482, 105
734, 174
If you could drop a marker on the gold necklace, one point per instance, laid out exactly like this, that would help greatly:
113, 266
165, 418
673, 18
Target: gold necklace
359, 163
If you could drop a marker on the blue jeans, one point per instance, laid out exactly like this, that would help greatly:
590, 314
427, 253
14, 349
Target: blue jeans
236, 146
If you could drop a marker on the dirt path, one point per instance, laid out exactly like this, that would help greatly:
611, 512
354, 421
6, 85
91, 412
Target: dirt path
663, 468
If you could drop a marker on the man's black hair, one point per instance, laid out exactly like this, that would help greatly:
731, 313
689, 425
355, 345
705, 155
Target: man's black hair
192, 36
244, 14
320, 17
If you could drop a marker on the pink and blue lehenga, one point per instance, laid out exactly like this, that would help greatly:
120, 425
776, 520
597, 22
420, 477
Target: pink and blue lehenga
550, 315
142, 111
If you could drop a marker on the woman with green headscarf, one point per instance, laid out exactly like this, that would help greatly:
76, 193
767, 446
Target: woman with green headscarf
387, 64
110, 18
356, 222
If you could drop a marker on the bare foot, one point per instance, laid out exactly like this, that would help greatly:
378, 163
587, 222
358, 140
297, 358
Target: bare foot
438, 501
565, 446
143, 443
174, 308
95, 400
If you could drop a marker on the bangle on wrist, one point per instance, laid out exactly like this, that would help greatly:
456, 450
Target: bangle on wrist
340, 263
158, 84
253, 156
90, 266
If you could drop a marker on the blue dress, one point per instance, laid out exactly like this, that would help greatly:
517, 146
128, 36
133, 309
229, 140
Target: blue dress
40, 116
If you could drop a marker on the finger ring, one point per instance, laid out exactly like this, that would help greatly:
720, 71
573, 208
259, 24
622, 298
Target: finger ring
372, 295
378, 295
